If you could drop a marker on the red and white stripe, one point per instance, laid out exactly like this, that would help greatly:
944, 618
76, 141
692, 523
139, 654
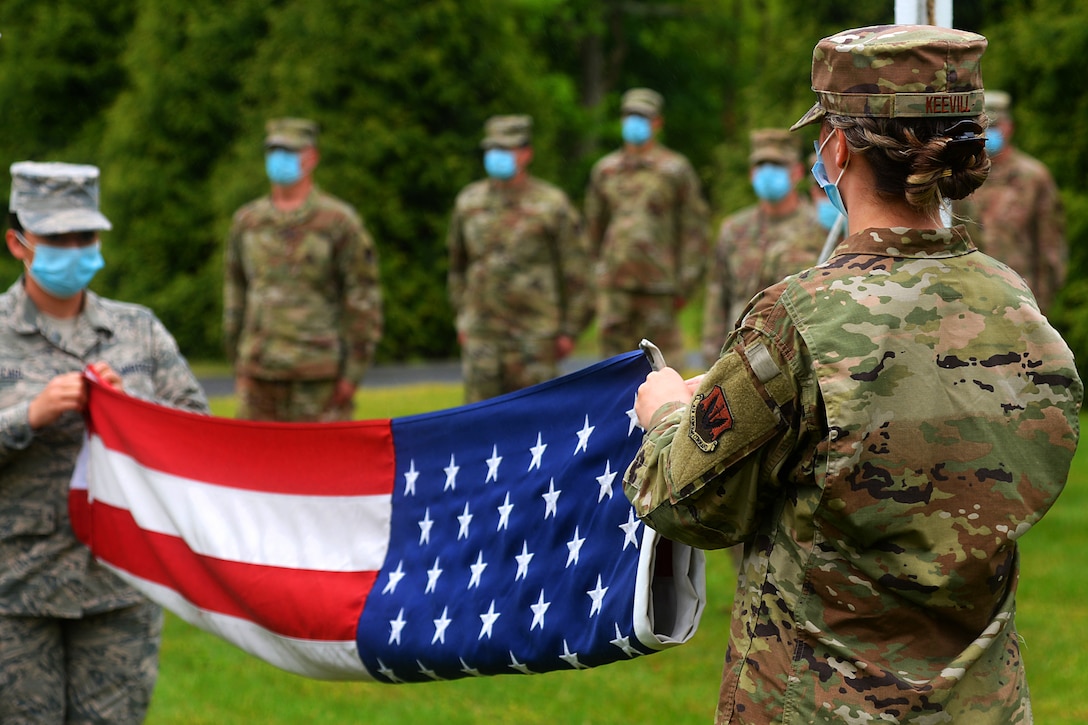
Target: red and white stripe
269, 536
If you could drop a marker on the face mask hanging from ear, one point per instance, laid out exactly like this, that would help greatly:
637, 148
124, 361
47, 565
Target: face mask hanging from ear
819, 172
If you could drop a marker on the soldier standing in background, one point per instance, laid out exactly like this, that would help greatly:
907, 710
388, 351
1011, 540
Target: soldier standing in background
302, 310
77, 644
648, 228
1020, 209
519, 268
763, 243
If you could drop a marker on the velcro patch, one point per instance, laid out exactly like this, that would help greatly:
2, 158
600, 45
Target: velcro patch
710, 417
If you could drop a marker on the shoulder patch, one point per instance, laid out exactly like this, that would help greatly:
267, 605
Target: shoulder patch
710, 417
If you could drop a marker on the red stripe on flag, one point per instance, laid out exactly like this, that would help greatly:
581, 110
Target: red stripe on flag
327, 459
304, 604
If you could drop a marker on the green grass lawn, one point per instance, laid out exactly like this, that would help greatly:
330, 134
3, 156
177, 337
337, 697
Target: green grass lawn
204, 680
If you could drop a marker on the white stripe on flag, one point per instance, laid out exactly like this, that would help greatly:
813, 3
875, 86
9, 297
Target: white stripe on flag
319, 660
326, 533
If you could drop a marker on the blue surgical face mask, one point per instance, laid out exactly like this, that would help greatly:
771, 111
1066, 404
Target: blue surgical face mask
500, 164
64, 271
636, 129
771, 182
819, 172
827, 213
283, 167
995, 140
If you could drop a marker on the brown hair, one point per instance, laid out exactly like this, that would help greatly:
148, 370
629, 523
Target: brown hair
922, 160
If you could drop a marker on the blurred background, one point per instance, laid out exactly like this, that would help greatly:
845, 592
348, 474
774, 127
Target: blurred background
169, 99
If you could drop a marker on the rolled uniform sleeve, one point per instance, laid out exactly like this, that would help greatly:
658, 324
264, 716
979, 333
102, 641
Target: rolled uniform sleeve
707, 470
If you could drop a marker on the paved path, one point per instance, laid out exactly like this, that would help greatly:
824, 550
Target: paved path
388, 374
440, 371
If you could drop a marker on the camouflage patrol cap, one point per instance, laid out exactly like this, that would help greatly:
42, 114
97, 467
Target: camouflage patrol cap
997, 105
897, 71
507, 132
290, 133
774, 145
643, 102
56, 198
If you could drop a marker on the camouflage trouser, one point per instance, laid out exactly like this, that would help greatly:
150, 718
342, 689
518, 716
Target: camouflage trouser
492, 366
290, 400
624, 318
97, 669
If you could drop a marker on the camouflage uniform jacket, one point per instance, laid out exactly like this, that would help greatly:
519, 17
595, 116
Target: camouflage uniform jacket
518, 261
755, 249
1023, 222
648, 223
301, 298
46, 571
880, 431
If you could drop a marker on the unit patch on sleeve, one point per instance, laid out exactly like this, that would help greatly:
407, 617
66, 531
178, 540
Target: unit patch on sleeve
710, 417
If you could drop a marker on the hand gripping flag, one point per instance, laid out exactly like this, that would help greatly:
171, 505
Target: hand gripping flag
488, 539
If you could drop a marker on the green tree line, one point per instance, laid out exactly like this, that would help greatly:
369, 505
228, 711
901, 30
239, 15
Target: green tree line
169, 99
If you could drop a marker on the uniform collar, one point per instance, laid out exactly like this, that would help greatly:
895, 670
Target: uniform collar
26, 318
907, 243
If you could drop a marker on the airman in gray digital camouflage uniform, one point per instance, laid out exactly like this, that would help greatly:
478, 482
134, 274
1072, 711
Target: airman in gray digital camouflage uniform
302, 308
648, 226
881, 429
519, 269
76, 643
759, 245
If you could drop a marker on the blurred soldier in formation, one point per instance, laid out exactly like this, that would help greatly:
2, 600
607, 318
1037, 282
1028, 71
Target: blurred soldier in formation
759, 245
648, 228
77, 644
302, 312
519, 269
1020, 209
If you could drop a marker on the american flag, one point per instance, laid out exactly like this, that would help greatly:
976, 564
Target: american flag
489, 539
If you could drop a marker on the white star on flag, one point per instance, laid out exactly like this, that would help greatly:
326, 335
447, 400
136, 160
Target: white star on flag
538, 453
410, 477
605, 482
451, 474
493, 465
583, 436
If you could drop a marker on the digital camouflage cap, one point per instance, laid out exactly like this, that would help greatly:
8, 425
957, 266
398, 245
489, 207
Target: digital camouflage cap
775, 146
290, 133
643, 102
56, 198
507, 132
897, 71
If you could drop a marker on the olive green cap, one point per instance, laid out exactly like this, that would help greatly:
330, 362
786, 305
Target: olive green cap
997, 105
774, 145
643, 102
507, 132
290, 133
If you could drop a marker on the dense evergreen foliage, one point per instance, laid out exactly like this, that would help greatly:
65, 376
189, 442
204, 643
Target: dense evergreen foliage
169, 99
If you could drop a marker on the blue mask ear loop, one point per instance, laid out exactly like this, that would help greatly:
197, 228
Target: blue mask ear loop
819, 156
